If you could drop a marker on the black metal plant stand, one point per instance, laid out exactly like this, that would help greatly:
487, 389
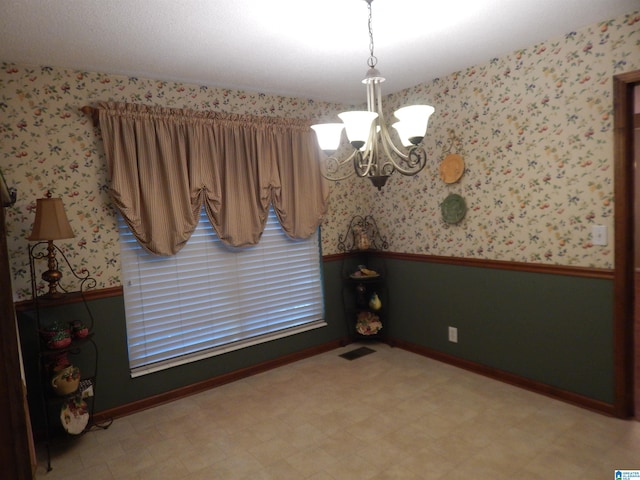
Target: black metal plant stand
364, 294
53, 355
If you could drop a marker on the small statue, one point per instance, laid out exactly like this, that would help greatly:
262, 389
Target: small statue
361, 238
374, 302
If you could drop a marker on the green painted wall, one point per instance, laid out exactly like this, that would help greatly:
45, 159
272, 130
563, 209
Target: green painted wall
553, 329
115, 387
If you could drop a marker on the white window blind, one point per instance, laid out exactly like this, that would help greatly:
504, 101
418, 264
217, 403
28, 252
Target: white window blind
210, 299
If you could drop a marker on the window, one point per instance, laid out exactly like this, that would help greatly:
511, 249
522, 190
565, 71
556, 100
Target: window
210, 299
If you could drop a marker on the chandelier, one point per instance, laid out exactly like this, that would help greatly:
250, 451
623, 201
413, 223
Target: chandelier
374, 155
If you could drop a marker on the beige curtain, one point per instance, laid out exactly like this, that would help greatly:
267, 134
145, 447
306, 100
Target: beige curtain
165, 163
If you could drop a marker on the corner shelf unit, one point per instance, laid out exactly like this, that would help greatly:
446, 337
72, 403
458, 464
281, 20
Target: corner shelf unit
364, 292
68, 361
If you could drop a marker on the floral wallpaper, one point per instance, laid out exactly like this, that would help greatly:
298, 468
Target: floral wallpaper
534, 128
47, 143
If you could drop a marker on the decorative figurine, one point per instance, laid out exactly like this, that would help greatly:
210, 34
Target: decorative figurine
374, 302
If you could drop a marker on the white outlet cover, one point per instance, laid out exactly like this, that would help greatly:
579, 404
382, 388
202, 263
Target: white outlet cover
453, 334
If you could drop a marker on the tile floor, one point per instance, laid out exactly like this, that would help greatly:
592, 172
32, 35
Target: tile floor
388, 415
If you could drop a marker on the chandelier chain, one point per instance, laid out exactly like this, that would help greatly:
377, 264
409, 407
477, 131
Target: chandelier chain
372, 61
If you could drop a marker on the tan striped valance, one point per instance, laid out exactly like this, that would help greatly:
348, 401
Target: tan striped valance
164, 164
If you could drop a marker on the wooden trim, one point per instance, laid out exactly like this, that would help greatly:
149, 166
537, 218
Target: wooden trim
506, 377
93, 113
17, 454
162, 398
623, 322
89, 295
468, 262
334, 257
585, 272
110, 292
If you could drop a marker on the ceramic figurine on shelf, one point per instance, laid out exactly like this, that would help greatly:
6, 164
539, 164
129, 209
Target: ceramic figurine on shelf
374, 302
66, 381
79, 329
361, 238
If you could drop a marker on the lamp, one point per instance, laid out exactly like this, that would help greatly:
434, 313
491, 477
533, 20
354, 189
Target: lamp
368, 134
51, 224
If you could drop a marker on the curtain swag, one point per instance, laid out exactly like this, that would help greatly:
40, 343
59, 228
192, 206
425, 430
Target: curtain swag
165, 163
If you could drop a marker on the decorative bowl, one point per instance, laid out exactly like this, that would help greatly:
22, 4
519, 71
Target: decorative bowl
60, 339
66, 381
79, 329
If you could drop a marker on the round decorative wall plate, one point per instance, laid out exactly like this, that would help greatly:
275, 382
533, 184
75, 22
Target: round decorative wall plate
453, 208
451, 168
74, 416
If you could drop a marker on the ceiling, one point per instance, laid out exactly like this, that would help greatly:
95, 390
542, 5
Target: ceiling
315, 50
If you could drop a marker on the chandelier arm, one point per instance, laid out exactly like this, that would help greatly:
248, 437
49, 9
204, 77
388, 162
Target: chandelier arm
375, 93
415, 158
368, 155
331, 165
387, 142
337, 179
361, 169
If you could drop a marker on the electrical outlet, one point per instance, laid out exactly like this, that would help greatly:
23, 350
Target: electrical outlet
453, 334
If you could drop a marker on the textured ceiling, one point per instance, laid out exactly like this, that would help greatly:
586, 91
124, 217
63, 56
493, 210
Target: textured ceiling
299, 48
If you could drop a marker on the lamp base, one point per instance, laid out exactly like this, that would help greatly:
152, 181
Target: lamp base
52, 277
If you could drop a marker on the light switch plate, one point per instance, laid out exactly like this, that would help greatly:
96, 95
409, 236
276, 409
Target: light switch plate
599, 235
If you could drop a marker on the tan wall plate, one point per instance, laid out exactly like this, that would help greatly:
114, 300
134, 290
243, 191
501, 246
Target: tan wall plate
451, 168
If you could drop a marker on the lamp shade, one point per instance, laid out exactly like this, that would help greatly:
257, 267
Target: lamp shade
404, 132
328, 135
358, 126
51, 221
414, 120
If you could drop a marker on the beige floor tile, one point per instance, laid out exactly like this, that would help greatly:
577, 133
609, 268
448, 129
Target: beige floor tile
352, 466
200, 456
323, 476
427, 463
311, 462
388, 415
380, 453
169, 469
397, 472
96, 472
130, 463
237, 466
273, 451
279, 470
